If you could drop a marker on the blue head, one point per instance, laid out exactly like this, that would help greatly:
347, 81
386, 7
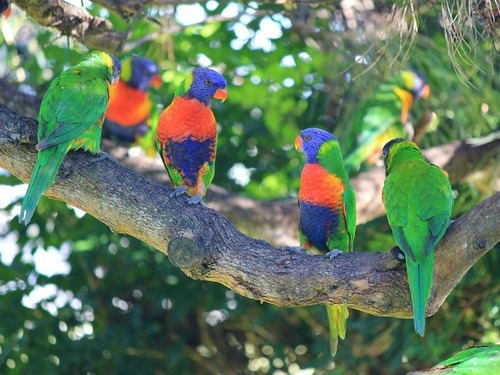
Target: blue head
310, 140
140, 73
415, 83
116, 68
204, 84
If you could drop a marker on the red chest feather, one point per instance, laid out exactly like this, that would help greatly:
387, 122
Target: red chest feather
317, 186
186, 117
127, 105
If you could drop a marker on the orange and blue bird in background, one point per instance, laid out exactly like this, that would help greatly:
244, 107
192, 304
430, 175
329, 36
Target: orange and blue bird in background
327, 209
130, 106
381, 117
187, 133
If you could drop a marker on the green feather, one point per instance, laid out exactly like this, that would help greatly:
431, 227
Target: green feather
418, 201
477, 360
337, 323
70, 117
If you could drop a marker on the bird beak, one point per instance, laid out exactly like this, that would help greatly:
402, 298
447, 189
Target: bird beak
426, 92
6, 14
298, 143
221, 94
156, 81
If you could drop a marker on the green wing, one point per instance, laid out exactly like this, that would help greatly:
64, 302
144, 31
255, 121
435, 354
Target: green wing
477, 360
434, 205
350, 213
60, 119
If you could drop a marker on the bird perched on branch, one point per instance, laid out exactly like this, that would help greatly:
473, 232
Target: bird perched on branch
418, 200
129, 105
327, 206
382, 117
187, 133
70, 117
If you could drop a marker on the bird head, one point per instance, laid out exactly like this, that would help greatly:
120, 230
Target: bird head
116, 69
140, 73
5, 8
204, 84
396, 147
415, 83
310, 141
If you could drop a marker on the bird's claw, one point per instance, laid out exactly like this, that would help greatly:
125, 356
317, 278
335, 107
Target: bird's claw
197, 199
100, 156
295, 249
332, 254
178, 192
398, 254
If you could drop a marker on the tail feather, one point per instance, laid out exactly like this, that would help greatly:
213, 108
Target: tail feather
44, 173
337, 322
420, 282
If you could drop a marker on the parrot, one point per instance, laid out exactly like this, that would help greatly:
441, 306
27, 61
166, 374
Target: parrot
187, 133
327, 209
477, 360
418, 200
5, 8
70, 117
382, 117
129, 104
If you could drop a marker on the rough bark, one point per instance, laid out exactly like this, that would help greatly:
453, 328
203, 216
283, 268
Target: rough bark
70, 20
206, 246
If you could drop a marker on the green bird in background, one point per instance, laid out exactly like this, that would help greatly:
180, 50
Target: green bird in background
477, 360
327, 208
418, 200
382, 117
70, 117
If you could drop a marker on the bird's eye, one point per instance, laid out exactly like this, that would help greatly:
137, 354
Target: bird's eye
208, 81
307, 138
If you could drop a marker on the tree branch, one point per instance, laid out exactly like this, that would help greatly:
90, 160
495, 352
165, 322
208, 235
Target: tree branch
206, 246
461, 159
94, 32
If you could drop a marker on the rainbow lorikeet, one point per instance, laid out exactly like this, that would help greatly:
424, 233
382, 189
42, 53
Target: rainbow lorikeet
327, 206
382, 117
5, 8
418, 200
129, 104
70, 117
187, 133
477, 360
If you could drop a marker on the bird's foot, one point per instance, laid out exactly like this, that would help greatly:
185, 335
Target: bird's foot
197, 199
398, 254
178, 192
295, 249
332, 254
100, 156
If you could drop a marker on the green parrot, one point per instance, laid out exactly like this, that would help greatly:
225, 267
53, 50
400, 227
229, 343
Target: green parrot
382, 117
418, 200
477, 360
70, 117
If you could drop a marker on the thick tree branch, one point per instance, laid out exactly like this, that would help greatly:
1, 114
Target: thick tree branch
94, 32
206, 246
461, 159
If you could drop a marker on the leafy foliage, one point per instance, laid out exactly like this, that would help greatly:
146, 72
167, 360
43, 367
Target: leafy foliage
117, 306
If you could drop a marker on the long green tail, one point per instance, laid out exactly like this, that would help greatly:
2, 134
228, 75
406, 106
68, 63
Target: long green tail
44, 173
420, 282
337, 321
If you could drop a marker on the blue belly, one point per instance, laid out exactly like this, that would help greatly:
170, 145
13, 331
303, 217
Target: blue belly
318, 224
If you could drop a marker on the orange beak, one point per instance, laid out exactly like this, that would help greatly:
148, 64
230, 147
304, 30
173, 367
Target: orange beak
156, 81
221, 94
426, 92
298, 143
6, 14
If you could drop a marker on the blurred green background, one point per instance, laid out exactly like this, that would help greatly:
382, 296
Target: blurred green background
77, 298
